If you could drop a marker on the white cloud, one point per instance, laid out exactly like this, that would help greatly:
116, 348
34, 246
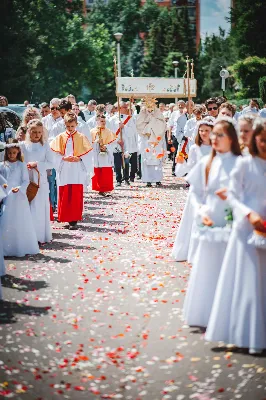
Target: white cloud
213, 14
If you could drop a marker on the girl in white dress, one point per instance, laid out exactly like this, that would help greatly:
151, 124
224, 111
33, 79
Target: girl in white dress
201, 148
17, 229
245, 126
239, 310
37, 154
3, 194
208, 181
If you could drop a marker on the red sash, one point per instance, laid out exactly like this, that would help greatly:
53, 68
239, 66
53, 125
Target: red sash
125, 122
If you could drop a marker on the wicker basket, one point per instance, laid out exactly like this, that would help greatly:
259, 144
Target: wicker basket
33, 188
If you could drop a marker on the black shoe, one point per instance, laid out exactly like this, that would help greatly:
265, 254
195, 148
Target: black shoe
149, 184
72, 225
118, 184
138, 178
158, 184
173, 174
127, 183
131, 179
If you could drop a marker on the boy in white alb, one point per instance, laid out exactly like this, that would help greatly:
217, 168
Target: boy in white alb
73, 158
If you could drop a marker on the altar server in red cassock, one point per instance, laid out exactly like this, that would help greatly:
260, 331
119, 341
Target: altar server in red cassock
73, 160
103, 141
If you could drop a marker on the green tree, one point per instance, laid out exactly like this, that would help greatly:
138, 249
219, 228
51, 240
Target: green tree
216, 51
248, 31
247, 73
118, 16
262, 87
169, 69
135, 58
155, 46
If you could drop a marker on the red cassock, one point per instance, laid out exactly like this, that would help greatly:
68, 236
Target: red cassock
102, 180
70, 203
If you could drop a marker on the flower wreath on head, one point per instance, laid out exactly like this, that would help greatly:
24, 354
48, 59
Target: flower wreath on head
226, 119
209, 121
8, 145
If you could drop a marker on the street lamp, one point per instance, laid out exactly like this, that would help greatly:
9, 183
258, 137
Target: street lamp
224, 74
118, 37
175, 64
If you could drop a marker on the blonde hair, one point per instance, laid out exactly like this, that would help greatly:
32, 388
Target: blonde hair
248, 117
30, 110
34, 123
70, 117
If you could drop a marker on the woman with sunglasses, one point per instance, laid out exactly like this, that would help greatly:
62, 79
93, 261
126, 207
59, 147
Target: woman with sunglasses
212, 107
239, 310
213, 217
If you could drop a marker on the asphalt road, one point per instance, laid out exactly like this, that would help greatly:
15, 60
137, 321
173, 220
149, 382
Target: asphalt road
98, 313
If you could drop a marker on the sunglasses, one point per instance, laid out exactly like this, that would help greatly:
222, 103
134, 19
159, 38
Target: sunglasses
55, 108
217, 135
212, 108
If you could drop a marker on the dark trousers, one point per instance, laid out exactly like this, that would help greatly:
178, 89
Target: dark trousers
128, 161
139, 166
175, 144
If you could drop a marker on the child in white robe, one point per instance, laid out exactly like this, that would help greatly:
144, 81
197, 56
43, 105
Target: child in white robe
201, 148
208, 181
38, 157
245, 126
3, 194
103, 144
73, 163
19, 237
239, 310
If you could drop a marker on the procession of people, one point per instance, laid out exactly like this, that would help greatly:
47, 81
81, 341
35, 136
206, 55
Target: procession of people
66, 149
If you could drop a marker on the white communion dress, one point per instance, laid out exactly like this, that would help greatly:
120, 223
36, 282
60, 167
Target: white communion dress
3, 194
212, 241
239, 310
17, 228
183, 236
40, 206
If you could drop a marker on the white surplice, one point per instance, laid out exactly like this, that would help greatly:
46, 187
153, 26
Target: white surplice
71, 173
129, 132
49, 122
18, 232
60, 127
212, 241
239, 310
40, 206
183, 237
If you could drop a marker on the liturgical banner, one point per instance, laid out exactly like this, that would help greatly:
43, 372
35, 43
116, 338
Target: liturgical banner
156, 87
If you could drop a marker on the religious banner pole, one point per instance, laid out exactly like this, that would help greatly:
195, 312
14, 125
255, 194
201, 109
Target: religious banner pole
188, 84
119, 115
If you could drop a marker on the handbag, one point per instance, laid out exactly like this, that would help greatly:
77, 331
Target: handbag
33, 188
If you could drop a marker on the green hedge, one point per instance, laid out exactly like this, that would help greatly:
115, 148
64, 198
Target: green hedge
247, 73
262, 88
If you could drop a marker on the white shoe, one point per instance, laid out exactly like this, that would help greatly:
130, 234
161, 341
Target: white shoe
255, 351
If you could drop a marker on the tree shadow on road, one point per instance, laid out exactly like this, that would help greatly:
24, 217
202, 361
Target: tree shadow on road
24, 285
40, 258
8, 309
59, 246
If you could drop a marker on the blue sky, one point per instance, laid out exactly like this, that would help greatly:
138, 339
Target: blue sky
213, 13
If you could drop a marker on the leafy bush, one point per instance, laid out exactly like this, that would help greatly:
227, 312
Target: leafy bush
247, 73
262, 87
